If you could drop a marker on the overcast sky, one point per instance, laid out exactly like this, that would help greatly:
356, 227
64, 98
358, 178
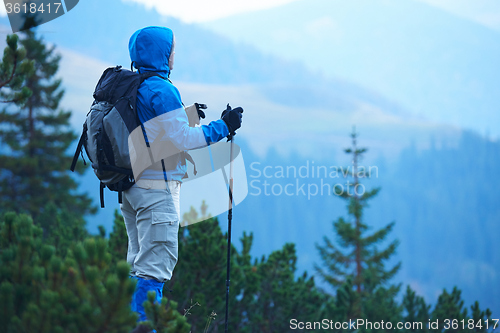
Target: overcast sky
203, 10
485, 12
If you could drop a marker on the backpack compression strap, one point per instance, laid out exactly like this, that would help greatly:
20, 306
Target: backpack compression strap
79, 149
101, 190
189, 158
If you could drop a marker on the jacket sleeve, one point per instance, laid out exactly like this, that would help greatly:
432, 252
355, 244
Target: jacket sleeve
172, 118
215, 131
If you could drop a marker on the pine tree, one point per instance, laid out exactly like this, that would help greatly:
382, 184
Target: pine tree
357, 258
118, 239
164, 317
200, 274
450, 307
13, 70
34, 137
479, 318
416, 311
281, 297
42, 291
450, 311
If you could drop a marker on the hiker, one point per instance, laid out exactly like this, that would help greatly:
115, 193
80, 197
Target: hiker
151, 208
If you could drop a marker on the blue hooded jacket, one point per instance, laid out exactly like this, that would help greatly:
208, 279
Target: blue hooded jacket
159, 99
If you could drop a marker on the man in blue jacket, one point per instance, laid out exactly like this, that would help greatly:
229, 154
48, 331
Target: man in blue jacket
151, 207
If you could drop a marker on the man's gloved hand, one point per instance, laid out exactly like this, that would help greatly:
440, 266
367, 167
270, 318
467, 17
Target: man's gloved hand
200, 108
232, 118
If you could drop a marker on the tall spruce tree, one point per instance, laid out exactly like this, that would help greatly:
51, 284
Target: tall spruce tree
356, 260
35, 135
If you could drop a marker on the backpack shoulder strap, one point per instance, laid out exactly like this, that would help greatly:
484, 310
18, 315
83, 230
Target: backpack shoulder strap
147, 75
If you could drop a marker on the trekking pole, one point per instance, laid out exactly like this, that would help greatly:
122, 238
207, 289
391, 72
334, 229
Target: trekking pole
229, 220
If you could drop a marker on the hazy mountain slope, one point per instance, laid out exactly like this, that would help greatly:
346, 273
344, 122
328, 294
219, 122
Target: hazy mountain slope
101, 30
446, 204
429, 61
484, 12
283, 99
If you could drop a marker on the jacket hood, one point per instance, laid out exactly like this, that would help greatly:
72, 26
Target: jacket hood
150, 49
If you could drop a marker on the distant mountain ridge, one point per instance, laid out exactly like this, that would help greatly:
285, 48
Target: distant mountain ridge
430, 62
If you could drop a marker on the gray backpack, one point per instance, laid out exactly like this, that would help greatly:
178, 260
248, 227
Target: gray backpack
112, 117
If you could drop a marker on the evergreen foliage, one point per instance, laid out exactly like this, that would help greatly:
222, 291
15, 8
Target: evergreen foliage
164, 317
13, 71
281, 297
42, 291
264, 295
450, 306
201, 271
357, 259
415, 310
118, 239
35, 135
450, 312
479, 316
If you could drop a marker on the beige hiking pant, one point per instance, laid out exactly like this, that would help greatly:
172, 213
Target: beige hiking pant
152, 212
